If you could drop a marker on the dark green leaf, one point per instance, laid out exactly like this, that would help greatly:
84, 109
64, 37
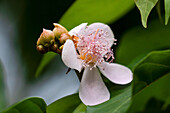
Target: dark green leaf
64, 105
30, 105
153, 66
2, 88
158, 9
157, 89
151, 77
138, 42
167, 11
119, 102
155, 106
95, 11
145, 7
12, 111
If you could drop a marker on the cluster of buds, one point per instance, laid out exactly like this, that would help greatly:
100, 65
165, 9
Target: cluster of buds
53, 40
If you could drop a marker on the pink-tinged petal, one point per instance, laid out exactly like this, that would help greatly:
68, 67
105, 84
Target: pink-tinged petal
92, 89
77, 29
116, 73
108, 34
69, 56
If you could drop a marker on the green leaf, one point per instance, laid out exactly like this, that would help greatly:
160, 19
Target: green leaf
2, 88
154, 71
157, 89
95, 11
80, 109
167, 11
155, 106
64, 105
153, 66
138, 42
158, 9
145, 7
30, 105
119, 102
45, 60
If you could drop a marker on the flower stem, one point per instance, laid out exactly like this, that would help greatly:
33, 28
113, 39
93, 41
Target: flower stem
79, 75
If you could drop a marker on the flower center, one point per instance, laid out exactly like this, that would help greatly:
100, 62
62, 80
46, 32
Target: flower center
94, 47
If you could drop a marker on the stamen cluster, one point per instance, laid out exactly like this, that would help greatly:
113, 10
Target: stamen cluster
94, 47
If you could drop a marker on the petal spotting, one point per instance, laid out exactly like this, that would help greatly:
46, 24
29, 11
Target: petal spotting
69, 56
77, 29
116, 73
92, 89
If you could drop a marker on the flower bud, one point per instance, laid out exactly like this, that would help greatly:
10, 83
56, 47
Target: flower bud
55, 49
41, 49
58, 30
64, 37
46, 38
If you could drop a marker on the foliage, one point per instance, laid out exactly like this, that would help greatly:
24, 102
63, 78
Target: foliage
97, 11
30, 105
152, 73
64, 105
167, 11
138, 42
145, 7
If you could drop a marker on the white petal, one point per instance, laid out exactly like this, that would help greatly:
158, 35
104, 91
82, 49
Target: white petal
78, 28
92, 88
116, 73
69, 56
106, 29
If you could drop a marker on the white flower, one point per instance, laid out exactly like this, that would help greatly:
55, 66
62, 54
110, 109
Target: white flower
88, 50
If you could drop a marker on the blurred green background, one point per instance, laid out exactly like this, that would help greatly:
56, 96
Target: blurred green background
21, 23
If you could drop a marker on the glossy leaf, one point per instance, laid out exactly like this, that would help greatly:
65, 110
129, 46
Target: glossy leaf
30, 105
167, 11
95, 11
156, 89
145, 7
2, 88
154, 71
153, 66
138, 42
80, 109
64, 105
119, 102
